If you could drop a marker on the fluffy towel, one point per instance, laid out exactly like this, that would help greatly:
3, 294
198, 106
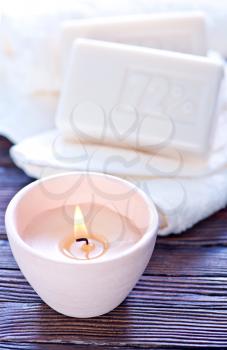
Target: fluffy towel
28, 54
183, 200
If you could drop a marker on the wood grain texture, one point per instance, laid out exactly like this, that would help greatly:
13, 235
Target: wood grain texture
11, 180
128, 324
183, 292
47, 346
179, 303
5, 160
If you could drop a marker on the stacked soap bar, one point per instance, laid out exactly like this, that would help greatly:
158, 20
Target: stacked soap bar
182, 32
139, 97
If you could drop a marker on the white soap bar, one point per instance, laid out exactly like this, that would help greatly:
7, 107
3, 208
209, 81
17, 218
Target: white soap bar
182, 32
139, 97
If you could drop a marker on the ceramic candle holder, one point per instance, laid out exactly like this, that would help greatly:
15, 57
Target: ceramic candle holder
80, 288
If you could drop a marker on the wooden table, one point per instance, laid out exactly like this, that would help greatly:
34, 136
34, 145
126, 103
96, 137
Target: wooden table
179, 302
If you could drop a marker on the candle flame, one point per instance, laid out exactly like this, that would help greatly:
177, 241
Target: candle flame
80, 228
82, 244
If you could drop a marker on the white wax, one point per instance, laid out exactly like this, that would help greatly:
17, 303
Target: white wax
182, 32
49, 229
76, 249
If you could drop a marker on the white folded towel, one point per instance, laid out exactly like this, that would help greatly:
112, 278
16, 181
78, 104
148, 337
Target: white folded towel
199, 189
183, 200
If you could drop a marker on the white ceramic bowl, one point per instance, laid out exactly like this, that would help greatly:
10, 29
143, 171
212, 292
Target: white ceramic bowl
79, 288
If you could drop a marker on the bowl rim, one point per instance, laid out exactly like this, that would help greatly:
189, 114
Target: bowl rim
12, 232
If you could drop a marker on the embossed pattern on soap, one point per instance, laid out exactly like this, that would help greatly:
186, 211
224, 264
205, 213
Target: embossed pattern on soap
163, 93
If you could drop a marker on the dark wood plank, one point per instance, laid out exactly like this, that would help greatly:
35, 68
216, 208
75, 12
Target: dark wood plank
11, 181
192, 261
46, 346
126, 325
150, 291
5, 145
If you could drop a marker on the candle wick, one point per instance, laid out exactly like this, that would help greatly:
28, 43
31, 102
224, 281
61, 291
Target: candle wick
82, 240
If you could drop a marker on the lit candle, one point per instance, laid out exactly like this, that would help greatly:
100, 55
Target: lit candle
63, 234
82, 244
82, 240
